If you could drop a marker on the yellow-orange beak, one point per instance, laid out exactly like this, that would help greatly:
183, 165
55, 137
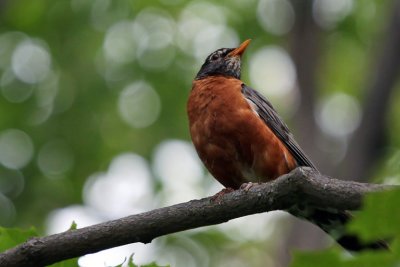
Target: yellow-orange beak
240, 50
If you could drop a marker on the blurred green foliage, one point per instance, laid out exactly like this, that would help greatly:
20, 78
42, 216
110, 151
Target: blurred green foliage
10, 237
377, 219
97, 49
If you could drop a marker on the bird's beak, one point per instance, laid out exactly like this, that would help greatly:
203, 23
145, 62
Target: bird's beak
240, 50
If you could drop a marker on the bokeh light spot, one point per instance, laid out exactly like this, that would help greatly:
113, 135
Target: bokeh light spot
159, 27
213, 13
202, 28
185, 252
128, 184
143, 254
178, 166
255, 227
47, 90
339, 115
139, 105
157, 59
328, 13
155, 43
60, 220
31, 62
16, 148
119, 44
272, 71
40, 115
11, 182
275, 16
13, 89
213, 37
55, 158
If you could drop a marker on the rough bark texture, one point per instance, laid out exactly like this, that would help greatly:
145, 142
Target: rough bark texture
302, 184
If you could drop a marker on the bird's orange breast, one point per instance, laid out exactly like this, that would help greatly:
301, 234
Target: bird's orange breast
233, 142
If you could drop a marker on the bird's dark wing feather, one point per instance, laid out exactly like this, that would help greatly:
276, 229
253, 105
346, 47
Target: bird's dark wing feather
268, 114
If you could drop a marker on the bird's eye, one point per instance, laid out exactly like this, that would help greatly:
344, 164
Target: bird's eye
214, 57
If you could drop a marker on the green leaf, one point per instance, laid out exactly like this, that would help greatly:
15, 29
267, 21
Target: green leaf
11, 237
372, 259
336, 258
73, 226
379, 217
328, 258
130, 262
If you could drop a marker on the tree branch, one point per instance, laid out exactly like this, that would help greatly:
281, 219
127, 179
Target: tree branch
302, 184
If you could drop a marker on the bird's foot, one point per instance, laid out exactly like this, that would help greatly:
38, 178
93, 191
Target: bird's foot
221, 193
246, 186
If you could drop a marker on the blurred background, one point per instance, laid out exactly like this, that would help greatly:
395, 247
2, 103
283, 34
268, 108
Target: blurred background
93, 123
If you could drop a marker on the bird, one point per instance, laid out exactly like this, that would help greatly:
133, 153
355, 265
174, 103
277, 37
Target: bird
241, 139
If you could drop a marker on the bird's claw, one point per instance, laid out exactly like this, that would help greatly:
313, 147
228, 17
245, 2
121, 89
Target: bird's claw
221, 193
246, 186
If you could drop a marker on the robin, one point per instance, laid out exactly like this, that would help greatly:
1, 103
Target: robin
241, 138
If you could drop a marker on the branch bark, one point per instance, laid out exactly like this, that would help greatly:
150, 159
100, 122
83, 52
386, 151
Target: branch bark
302, 184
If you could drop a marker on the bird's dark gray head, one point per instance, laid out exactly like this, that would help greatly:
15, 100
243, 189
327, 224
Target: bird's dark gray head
224, 61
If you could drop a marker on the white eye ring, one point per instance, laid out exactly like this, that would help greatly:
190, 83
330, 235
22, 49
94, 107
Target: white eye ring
214, 57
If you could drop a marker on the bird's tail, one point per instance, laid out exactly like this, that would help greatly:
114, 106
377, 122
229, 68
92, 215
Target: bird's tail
333, 222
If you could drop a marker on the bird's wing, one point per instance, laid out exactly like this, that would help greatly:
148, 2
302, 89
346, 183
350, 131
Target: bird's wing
271, 118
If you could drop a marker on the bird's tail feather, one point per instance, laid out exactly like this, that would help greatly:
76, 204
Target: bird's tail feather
333, 222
